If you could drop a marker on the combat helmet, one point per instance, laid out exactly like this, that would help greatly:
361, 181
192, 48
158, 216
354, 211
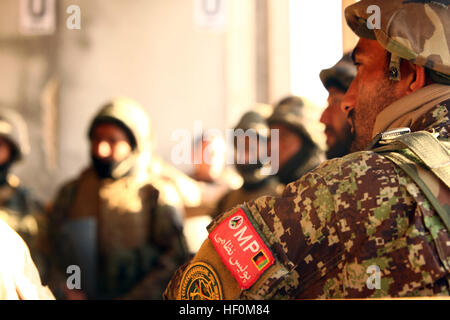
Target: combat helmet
340, 75
254, 121
130, 116
415, 30
290, 111
14, 129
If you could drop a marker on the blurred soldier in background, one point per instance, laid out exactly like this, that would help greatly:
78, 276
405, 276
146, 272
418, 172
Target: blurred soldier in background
19, 278
110, 221
337, 80
374, 223
256, 183
214, 178
19, 209
298, 153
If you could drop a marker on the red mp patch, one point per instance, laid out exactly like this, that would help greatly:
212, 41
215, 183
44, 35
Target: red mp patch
241, 249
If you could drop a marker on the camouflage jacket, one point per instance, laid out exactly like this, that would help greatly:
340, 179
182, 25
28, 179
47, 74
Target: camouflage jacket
270, 187
355, 227
309, 157
138, 239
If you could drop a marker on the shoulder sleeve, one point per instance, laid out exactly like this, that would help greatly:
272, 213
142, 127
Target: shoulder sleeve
318, 224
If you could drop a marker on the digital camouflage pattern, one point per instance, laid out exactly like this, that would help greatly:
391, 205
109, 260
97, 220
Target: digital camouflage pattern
384, 210
413, 30
271, 187
338, 220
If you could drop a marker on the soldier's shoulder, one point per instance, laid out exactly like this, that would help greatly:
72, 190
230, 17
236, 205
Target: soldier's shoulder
352, 173
354, 164
73, 182
168, 194
67, 188
66, 192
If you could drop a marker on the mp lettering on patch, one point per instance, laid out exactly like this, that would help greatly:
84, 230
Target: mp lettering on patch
241, 249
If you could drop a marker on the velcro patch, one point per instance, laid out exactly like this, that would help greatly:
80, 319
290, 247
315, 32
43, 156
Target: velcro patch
241, 249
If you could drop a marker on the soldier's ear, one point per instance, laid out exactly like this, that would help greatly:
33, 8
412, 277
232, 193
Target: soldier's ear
417, 78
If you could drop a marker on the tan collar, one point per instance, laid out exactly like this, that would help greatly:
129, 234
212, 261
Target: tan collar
404, 112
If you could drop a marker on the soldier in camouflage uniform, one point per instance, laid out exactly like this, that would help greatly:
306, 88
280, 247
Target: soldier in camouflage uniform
298, 153
20, 210
374, 223
337, 80
256, 182
111, 221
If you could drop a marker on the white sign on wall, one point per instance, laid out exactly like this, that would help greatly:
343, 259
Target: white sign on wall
210, 14
37, 17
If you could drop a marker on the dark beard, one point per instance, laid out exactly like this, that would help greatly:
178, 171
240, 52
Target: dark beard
109, 169
364, 121
339, 149
342, 145
4, 170
103, 168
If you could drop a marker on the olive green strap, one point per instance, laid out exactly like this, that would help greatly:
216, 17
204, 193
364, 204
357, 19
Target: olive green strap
408, 167
433, 153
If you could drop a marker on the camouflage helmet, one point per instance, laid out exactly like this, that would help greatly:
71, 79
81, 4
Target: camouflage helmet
290, 111
14, 129
340, 75
415, 30
254, 120
129, 115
